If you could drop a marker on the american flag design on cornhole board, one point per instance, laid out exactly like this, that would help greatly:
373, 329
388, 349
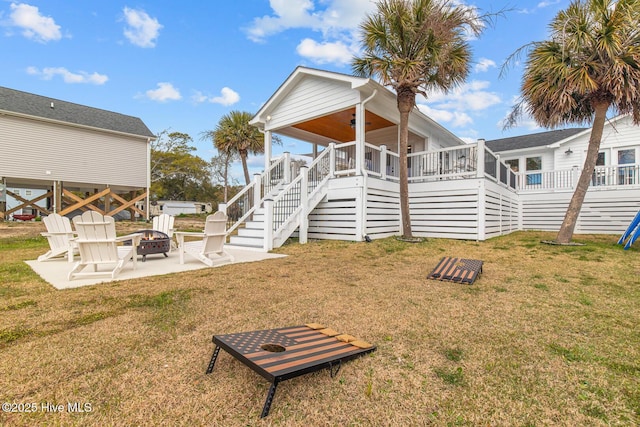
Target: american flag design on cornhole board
461, 270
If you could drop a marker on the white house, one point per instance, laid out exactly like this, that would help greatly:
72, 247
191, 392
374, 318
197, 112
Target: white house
80, 156
465, 191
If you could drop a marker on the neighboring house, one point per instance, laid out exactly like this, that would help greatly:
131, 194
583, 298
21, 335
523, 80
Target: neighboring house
350, 191
566, 150
81, 157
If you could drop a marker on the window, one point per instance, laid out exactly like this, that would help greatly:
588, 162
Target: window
534, 164
626, 174
514, 164
27, 192
600, 174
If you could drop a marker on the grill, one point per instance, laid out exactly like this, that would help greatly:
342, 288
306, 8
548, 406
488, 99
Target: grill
153, 242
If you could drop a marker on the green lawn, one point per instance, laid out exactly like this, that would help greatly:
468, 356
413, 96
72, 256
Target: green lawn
548, 335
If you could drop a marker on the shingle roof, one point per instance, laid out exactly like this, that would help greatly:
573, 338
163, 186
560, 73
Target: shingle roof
16, 101
531, 140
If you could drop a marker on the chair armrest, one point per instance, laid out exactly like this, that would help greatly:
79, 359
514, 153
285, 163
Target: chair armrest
73, 234
180, 235
134, 237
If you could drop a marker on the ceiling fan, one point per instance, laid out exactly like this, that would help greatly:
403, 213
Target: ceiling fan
352, 123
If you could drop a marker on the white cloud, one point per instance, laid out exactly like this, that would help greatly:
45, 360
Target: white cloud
483, 65
165, 92
455, 118
49, 73
141, 30
540, 5
469, 96
34, 25
325, 52
336, 20
227, 97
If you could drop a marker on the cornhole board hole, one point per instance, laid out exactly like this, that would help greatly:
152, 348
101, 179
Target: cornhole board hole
285, 353
461, 270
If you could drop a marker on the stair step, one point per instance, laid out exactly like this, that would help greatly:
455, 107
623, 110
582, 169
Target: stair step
251, 232
255, 225
257, 242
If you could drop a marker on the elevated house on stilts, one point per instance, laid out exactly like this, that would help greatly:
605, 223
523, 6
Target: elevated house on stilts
70, 158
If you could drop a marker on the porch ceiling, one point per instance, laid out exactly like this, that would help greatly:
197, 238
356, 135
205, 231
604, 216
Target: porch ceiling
337, 126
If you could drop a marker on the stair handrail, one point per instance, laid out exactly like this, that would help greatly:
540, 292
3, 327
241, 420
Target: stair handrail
252, 194
318, 173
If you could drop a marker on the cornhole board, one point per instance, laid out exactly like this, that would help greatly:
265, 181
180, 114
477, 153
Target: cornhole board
461, 270
631, 233
281, 354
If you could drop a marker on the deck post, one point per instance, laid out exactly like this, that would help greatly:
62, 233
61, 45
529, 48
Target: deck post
575, 176
257, 187
332, 159
383, 162
222, 207
304, 202
267, 150
480, 160
287, 167
482, 220
268, 225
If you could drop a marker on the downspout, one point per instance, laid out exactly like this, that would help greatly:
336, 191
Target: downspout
361, 220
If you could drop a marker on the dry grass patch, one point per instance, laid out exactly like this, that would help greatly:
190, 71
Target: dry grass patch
548, 335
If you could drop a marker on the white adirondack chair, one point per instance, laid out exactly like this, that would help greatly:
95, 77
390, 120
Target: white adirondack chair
60, 236
164, 224
98, 246
211, 244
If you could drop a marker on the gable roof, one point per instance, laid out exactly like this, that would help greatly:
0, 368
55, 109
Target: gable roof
369, 87
541, 139
28, 104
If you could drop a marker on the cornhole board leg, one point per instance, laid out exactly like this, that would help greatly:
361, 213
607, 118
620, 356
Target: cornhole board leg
632, 226
213, 359
269, 399
633, 238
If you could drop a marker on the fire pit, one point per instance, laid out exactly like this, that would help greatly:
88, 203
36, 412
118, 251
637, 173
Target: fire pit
153, 242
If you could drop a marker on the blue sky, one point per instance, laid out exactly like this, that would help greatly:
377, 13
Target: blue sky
181, 65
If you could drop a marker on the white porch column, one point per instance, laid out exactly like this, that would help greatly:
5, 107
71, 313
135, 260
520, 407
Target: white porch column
267, 149
359, 138
304, 201
222, 207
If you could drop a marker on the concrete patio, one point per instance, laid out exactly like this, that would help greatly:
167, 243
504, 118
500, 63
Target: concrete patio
55, 272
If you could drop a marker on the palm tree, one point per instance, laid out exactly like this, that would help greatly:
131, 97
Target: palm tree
590, 65
234, 134
415, 46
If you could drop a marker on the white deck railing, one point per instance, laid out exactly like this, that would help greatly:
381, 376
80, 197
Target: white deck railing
567, 179
243, 205
458, 162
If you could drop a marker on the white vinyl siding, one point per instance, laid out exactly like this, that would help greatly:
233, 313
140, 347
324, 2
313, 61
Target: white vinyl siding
33, 149
312, 97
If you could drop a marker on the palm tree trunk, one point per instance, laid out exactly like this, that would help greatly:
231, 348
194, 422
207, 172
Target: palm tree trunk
573, 211
406, 101
245, 167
